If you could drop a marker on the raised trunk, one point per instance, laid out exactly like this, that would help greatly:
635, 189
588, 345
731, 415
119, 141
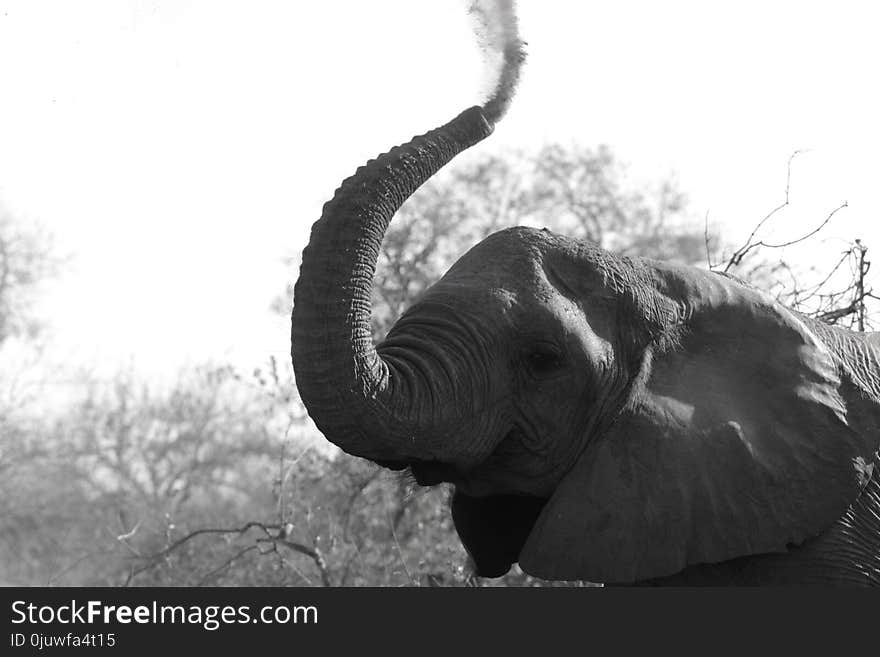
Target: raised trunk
355, 398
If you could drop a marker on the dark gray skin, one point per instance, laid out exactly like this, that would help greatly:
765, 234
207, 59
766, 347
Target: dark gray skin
602, 418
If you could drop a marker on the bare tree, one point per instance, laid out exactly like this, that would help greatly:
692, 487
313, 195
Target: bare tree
836, 292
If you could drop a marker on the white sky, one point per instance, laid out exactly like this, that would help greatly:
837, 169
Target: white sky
180, 149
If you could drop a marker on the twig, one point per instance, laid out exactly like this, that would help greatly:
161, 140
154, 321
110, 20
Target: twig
314, 554
122, 539
815, 289
226, 564
296, 570
153, 560
274, 535
808, 235
400, 553
211, 530
706, 237
741, 252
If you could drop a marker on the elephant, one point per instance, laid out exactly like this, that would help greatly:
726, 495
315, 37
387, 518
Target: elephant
600, 417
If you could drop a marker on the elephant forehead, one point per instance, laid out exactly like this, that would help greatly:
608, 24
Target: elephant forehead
506, 273
491, 266
506, 288
509, 262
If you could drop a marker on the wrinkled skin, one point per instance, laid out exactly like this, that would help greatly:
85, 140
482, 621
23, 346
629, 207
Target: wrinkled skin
603, 418
502, 312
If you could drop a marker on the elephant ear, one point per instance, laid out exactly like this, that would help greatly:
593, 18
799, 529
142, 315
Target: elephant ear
735, 440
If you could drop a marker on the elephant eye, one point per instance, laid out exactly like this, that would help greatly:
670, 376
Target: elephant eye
543, 359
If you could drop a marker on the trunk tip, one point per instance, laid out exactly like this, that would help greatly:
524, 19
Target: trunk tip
478, 124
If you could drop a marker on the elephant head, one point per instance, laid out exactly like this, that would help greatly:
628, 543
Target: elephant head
601, 417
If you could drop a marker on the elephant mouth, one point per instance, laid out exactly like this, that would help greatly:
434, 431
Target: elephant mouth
426, 473
492, 527
432, 472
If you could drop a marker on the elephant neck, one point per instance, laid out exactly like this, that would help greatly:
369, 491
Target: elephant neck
847, 554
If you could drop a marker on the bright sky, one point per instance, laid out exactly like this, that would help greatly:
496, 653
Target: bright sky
180, 149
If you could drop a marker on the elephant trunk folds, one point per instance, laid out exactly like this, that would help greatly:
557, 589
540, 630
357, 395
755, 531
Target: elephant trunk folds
351, 393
